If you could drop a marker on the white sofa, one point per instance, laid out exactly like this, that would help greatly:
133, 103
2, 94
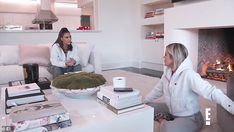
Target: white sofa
13, 56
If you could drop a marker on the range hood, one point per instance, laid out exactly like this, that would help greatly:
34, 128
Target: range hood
44, 13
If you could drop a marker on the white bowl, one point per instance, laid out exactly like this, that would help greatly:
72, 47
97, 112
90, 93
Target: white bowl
79, 93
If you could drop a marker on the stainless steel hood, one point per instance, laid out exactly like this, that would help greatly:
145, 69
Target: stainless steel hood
45, 14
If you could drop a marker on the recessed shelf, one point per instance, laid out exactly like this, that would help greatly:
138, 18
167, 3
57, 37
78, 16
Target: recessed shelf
156, 20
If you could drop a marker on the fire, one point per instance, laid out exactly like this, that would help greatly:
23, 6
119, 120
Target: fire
219, 69
229, 68
218, 66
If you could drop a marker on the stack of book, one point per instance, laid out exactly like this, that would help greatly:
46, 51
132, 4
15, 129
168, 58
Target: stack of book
120, 102
47, 115
149, 14
159, 11
22, 94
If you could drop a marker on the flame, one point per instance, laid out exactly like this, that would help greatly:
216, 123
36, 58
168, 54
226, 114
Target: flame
219, 69
218, 62
230, 67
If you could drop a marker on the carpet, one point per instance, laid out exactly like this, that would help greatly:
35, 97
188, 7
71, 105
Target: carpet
146, 83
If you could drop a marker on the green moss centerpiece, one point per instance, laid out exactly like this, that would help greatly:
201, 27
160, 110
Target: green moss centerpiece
78, 84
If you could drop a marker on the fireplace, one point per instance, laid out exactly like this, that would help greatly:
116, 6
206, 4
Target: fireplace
216, 53
190, 23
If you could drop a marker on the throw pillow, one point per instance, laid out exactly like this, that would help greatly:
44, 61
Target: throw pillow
34, 54
84, 51
9, 54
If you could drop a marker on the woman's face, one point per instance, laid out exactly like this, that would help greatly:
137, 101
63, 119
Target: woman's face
66, 39
168, 60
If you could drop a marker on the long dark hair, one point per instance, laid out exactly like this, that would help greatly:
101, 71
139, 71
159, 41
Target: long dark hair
60, 35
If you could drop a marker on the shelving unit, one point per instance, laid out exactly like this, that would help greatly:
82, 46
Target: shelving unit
152, 49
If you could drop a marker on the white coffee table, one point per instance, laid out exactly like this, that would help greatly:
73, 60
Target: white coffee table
88, 115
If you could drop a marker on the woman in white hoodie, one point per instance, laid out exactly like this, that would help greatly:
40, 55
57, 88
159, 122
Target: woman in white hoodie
182, 86
64, 55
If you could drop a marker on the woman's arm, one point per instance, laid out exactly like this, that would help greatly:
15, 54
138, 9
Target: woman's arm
210, 92
155, 93
54, 56
75, 55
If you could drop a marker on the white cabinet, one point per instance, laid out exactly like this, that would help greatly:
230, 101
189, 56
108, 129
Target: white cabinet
152, 25
152, 51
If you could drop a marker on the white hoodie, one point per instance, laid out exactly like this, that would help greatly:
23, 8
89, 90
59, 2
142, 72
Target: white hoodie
182, 89
58, 57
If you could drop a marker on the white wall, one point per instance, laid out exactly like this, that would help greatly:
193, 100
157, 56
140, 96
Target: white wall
22, 13
118, 41
183, 21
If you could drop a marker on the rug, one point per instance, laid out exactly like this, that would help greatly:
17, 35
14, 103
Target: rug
146, 83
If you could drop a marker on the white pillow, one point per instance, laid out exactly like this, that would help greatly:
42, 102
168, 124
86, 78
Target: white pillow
9, 54
84, 51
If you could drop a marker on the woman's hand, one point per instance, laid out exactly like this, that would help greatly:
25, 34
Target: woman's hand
70, 62
73, 61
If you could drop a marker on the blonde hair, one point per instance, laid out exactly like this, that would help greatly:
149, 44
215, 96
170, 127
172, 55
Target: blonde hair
178, 52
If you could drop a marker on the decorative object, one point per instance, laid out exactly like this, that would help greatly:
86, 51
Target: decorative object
149, 14
76, 85
83, 28
119, 82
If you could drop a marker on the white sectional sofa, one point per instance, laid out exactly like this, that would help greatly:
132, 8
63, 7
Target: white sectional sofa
13, 56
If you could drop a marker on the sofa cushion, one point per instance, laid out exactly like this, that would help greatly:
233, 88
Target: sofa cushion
88, 68
9, 54
84, 51
34, 54
11, 73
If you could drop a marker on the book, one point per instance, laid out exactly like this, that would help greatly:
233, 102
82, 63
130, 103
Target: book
8, 108
23, 89
36, 110
28, 124
55, 126
149, 14
108, 91
121, 103
51, 127
23, 99
43, 83
59, 125
16, 83
123, 110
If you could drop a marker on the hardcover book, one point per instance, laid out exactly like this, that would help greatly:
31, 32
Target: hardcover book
8, 108
123, 110
23, 89
121, 103
23, 99
36, 110
55, 126
108, 91
50, 127
28, 124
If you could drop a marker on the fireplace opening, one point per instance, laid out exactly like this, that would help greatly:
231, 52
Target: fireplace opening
216, 53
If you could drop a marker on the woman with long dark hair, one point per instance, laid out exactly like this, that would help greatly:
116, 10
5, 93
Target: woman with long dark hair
64, 55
